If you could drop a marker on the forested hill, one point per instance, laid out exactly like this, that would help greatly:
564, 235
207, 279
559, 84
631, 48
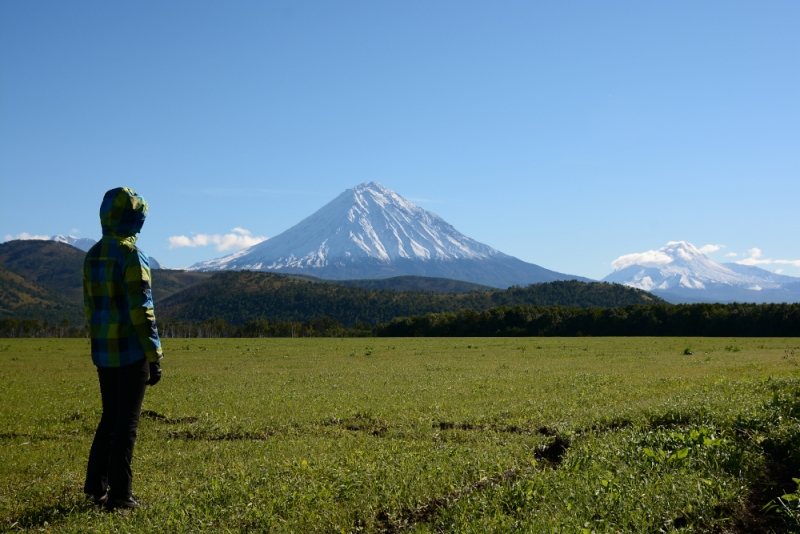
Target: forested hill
59, 267
22, 298
44, 281
55, 265
416, 283
240, 296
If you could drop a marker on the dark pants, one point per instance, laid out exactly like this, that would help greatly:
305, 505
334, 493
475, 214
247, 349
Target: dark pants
122, 391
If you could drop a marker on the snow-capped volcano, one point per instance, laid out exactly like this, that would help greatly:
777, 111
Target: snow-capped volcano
680, 272
370, 231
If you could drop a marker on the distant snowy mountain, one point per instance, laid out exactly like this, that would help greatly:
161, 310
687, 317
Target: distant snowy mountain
83, 243
679, 272
371, 232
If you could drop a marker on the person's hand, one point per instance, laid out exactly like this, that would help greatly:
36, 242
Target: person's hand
155, 374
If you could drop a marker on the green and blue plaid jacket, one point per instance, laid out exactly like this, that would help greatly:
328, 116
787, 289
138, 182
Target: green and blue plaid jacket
116, 286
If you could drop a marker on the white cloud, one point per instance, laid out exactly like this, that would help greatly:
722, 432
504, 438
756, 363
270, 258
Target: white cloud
26, 235
778, 271
74, 231
238, 239
731, 255
769, 261
707, 249
651, 258
178, 241
756, 259
795, 263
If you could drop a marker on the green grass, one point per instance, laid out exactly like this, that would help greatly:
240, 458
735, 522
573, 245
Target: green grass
421, 435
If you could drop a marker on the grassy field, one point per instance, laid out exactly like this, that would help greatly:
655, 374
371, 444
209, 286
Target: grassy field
419, 435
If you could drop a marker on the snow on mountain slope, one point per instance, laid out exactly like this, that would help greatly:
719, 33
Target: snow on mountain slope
83, 243
371, 232
679, 264
680, 272
758, 272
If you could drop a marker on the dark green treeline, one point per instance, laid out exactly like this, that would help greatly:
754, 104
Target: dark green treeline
728, 320
746, 320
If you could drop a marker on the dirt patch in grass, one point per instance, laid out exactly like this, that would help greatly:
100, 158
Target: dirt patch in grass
553, 452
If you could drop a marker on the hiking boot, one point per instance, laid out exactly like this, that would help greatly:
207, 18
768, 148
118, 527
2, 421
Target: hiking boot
128, 503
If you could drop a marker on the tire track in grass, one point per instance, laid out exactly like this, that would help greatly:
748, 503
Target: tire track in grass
551, 455
203, 434
151, 414
147, 414
360, 422
45, 437
751, 518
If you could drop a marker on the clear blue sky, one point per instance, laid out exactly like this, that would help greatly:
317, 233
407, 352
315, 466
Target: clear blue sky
564, 133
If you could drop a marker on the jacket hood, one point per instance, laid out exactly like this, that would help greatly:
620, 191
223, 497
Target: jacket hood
122, 213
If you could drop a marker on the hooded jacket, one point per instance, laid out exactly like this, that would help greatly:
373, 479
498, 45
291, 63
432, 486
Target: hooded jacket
116, 286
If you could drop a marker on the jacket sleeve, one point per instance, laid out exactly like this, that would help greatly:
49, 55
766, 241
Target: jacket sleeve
140, 303
87, 301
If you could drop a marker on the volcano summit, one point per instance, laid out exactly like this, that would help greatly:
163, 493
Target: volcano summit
371, 232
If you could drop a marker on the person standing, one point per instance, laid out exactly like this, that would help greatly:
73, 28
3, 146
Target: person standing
125, 345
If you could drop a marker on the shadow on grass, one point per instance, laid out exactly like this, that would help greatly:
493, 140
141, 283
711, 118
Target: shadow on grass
776, 480
48, 514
